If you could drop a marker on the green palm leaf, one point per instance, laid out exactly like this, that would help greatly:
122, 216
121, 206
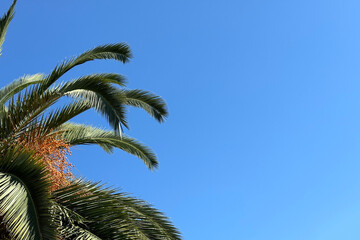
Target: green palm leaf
4, 23
108, 214
16, 86
119, 51
99, 94
24, 109
73, 225
56, 118
78, 134
95, 91
151, 103
24, 197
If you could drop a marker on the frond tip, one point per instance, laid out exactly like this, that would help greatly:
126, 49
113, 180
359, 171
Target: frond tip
4, 23
154, 105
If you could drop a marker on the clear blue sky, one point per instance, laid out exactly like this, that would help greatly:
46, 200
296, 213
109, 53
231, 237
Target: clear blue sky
263, 137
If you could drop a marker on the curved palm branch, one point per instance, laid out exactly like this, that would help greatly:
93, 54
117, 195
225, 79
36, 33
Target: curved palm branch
25, 205
100, 95
151, 103
102, 213
36, 100
96, 91
118, 51
30, 104
92, 91
18, 85
78, 134
4, 23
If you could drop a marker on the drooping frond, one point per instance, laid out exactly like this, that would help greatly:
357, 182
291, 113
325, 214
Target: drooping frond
78, 134
151, 103
101, 96
108, 214
93, 91
4, 23
106, 77
119, 51
25, 205
29, 105
146, 219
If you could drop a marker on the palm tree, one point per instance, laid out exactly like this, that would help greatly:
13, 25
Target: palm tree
35, 203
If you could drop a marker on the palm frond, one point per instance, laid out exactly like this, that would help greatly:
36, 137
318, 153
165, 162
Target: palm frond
4, 23
113, 215
16, 86
94, 91
24, 197
119, 51
72, 225
61, 115
99, 94
146, 219
114, 78
151, 103
78, 134
23, 109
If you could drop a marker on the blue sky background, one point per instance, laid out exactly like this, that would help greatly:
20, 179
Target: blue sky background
263, 137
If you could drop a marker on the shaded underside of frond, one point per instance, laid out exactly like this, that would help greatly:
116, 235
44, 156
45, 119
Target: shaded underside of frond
78, 134
24, 197
104, 213
101, 96
154, 105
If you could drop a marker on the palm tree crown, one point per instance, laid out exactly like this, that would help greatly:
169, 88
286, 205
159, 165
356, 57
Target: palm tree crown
39, 198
